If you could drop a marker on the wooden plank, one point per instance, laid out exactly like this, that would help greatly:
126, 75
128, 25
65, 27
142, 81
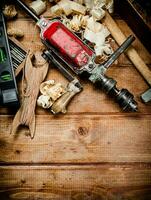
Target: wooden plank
75, 182
78, 139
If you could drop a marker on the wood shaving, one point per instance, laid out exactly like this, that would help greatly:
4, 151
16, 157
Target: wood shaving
44, 101
56, 10
38, 6
98, 14
93, 25
50, 91
98, 38
56, 1
45, 86
15, 32
76, 23
105, 48
89, 4
9, 11
110, 6
67, 7
98, 4
79, 1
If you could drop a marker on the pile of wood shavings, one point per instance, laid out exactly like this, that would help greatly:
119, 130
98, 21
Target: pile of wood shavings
15, 32
9, 11
50, 92
83, 17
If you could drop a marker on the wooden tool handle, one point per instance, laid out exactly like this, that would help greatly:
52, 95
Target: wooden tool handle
131, 52
61, 104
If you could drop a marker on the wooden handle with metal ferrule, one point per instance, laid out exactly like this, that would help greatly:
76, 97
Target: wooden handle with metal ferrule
131, 52
61, 104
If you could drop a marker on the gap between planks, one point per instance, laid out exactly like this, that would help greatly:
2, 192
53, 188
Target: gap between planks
92, 165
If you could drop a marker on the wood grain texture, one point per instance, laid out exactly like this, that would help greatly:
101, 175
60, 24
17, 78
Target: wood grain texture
78, 139
94, 152
92, 182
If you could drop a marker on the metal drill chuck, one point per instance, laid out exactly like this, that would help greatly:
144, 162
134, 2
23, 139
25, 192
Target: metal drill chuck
123, 97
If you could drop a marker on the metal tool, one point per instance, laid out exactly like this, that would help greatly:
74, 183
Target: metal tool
18, 54
8, 87
65, 49
132, 54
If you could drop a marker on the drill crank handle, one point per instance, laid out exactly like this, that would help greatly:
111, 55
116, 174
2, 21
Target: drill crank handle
119, 51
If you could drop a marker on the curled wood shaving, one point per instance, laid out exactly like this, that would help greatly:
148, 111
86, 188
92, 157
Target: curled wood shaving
98, 14
110, 6
50, 91
15, 32
44, 101
9, 11
97, 33
105, 48
99, 39
56, 10
76, 23
93, 25
89, 4
45, 86
38, 6
98, 4
67, 7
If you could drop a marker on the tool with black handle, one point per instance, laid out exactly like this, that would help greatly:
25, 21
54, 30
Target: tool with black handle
65, 49
8, 87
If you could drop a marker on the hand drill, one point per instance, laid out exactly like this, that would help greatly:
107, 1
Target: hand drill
65, 49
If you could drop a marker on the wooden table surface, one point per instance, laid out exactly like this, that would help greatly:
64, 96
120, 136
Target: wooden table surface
94, 152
